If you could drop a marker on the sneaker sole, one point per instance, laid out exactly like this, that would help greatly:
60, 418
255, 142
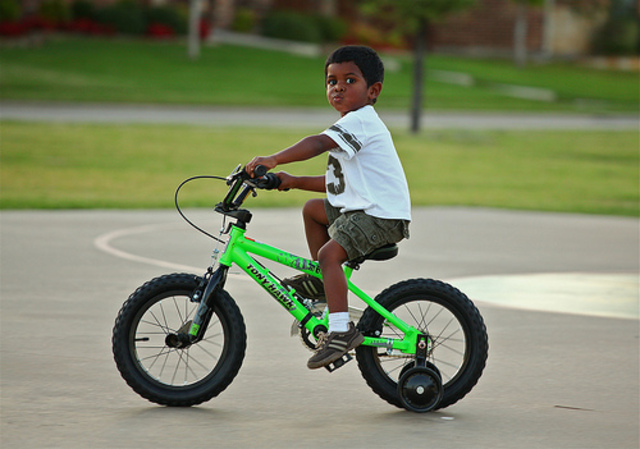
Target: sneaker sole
336, 355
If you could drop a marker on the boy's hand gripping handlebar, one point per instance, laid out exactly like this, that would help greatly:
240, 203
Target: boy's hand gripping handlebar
264, 180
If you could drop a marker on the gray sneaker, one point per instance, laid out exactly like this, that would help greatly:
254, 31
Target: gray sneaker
333, 346
307, 286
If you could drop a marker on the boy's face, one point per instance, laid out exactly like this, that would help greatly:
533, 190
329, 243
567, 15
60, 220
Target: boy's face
347, 89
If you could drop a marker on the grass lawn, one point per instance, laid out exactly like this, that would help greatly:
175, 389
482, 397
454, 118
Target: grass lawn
115, 70
120, 166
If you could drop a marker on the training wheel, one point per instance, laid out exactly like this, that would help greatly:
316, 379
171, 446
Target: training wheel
420, 389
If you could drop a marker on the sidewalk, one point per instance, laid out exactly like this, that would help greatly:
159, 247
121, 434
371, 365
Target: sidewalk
315, 118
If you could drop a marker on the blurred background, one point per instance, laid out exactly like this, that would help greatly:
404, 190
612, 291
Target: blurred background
601, 34
543, 28
524, 60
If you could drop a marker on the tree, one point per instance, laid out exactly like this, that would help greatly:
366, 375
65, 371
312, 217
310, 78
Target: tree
417, 16
520, 30
194, 29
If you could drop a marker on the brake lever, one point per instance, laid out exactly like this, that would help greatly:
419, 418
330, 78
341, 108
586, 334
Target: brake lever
234, 174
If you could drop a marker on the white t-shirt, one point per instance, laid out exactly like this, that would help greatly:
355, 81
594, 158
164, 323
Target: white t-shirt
364, 171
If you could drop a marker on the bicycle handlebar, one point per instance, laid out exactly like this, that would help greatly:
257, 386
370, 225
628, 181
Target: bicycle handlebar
261, 180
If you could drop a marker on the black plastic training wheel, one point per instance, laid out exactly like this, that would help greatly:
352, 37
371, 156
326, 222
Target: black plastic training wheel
420, 389
456, 328
177, 376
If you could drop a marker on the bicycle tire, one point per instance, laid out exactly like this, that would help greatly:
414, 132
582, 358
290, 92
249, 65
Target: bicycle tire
439, 310
170, 376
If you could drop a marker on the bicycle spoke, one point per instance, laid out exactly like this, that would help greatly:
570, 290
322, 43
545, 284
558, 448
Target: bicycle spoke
415, 320
157, 323
439, 362
442, 309
213, 356
423, 323
164, 316
175, 303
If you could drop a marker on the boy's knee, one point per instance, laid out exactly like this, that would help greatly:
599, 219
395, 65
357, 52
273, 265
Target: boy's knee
314, 209
331, 254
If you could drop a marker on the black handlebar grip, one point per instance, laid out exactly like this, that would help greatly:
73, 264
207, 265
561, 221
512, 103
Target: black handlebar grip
269, 182
259, 171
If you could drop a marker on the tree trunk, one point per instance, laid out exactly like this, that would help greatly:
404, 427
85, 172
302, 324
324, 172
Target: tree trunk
328, 8
194, 29
520, 35
418, 76
549, 31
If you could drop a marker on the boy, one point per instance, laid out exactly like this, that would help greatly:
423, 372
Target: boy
367, 204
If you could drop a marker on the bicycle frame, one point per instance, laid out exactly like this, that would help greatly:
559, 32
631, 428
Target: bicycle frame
238, 250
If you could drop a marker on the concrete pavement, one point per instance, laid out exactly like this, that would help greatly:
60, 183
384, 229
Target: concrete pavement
553, 380
313, 118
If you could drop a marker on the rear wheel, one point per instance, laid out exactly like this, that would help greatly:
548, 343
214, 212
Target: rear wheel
457, 331
161, 372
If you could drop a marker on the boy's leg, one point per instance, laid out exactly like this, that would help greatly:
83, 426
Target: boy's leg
331, 257
342, 336
328, 253
315, 225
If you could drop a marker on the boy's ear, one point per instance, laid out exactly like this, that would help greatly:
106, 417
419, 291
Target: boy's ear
374, 90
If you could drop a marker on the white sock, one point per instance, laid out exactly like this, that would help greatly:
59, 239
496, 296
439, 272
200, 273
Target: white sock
339, 322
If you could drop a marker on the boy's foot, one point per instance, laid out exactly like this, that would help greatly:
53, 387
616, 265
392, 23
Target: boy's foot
333, 346
307, 286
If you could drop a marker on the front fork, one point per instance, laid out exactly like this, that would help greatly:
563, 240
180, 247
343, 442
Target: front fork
212, 282
193, 331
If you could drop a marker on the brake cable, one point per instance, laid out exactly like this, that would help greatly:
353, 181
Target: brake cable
175, 199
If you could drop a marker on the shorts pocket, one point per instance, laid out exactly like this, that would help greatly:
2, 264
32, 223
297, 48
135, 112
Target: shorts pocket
365, 235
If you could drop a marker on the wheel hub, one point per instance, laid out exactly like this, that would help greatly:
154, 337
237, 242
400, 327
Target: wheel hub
181, 339
420, 389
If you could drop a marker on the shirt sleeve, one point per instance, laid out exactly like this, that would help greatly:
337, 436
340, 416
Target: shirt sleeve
348, 134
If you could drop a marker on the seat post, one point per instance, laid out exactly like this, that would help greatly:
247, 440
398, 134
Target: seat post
349, 267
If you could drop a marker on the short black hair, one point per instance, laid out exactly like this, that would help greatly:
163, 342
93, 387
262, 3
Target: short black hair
365, 58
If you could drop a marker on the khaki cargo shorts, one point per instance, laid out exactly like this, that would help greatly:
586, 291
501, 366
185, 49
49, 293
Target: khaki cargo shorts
359, 234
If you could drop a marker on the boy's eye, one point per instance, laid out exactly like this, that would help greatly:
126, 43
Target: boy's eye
351, 80
331, 82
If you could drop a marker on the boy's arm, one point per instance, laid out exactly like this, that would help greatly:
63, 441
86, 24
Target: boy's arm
309, 183
305, 149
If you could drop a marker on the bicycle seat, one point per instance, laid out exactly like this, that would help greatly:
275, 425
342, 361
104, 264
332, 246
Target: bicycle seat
385, 252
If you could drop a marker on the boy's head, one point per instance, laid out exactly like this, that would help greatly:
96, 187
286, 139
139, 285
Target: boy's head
365, 58
353, 78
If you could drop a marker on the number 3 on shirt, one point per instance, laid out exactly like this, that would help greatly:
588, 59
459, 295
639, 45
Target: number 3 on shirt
337, 172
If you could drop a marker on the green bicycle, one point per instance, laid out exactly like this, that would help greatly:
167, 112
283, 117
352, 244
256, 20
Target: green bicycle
180, 339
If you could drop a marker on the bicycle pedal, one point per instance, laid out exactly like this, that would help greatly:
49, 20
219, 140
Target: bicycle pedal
331, 367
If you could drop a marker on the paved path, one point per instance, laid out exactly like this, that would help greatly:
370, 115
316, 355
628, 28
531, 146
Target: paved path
553, 380
313, 118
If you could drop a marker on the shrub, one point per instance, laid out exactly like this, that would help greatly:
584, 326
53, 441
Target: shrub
291, 26
618, 36
55, 11
83, 9
169, 17
244, 20
9, 10
126, 17
332, 29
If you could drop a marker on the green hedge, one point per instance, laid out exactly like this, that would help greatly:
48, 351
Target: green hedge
294, 26
618, 36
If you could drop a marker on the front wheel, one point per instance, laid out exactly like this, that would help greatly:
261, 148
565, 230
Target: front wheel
177, 376
457, 331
